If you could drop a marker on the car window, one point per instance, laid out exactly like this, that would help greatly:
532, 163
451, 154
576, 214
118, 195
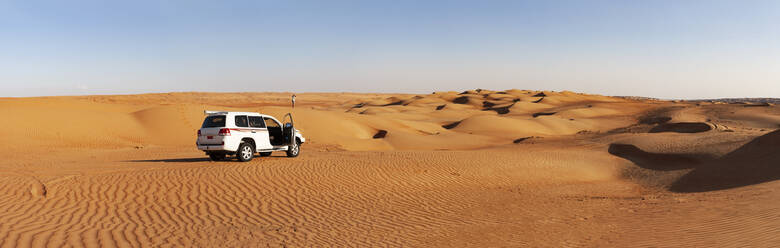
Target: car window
214, 121
270, 122
241, 121
256, 121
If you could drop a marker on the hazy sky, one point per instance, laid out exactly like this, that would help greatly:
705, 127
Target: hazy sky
668, 49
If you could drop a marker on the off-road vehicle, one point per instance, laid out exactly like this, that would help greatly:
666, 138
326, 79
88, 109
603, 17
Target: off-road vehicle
245, 133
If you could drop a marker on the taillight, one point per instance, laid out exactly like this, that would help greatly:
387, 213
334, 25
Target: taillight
198, 132
224, 132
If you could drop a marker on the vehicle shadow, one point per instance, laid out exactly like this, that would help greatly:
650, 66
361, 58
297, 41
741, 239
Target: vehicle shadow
756, 162
202, 159
172, 160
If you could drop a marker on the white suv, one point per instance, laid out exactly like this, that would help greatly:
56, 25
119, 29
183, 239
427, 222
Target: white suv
247, 133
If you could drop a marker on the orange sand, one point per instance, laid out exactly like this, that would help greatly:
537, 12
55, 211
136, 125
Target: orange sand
123, 171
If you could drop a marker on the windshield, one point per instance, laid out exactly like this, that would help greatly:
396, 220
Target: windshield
214, 121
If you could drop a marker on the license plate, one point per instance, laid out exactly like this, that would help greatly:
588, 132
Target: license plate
210, 137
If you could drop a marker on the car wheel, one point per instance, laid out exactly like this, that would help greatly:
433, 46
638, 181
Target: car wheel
265, 154
294, 149
245, 152
217, 156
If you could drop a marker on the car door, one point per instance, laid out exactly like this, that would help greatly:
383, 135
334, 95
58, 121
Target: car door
274, 131
259, 132
288, 130
242, 126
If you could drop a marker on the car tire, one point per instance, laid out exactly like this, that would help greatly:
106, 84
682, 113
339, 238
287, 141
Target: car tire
217, 156
265, 154
294, 150
245, 152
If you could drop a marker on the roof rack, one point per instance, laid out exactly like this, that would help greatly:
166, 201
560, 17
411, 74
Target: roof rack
210, 112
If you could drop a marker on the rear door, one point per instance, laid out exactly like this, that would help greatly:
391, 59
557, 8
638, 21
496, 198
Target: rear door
242, 127
259, 132
209, 131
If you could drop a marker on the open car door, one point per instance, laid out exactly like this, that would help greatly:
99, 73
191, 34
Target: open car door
288, 130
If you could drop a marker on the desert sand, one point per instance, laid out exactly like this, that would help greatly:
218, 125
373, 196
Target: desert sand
451, 169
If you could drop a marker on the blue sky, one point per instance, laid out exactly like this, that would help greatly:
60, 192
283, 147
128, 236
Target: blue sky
667, 49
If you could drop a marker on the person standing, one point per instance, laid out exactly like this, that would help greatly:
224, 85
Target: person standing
293, 101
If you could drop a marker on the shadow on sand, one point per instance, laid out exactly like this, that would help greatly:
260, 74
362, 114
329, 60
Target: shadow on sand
203, 159
658, 161
172, 160
682, 127
755, 162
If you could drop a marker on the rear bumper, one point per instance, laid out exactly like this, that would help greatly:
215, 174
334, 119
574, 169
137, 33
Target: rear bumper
211, 147
218, 143
216, 147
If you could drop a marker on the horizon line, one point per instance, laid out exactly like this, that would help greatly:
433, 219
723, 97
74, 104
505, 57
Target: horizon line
384, 93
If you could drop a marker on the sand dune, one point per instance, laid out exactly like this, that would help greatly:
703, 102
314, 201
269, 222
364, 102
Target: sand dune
479, 168
755, 162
